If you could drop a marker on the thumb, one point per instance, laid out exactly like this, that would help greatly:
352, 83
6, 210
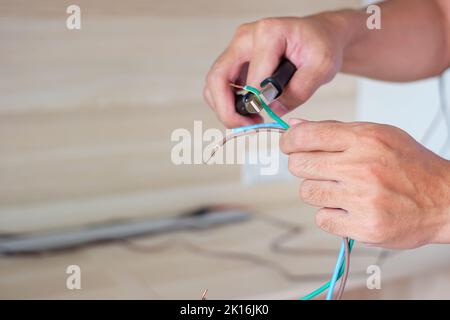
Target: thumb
294, 121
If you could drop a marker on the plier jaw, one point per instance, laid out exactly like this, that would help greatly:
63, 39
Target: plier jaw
248, 103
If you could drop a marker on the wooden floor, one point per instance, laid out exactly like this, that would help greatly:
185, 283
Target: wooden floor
85, 124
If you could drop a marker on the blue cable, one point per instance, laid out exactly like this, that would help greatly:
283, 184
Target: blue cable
257, 126
337, 268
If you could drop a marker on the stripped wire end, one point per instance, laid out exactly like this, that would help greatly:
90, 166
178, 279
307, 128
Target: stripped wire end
236, 86
244, 131
204, 294
213, 152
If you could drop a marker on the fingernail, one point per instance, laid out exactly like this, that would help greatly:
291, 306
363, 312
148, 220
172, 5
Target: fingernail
295, 121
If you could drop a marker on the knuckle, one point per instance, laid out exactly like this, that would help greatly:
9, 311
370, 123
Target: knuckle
218, 68
373, 135
310, 192
299, 165
306, 190
326, 60
292, 164
206, 93
304, 94
284, 143
242, 30
267, 25
372, 171
289, 140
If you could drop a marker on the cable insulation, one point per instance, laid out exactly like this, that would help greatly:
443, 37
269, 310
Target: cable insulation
340, 266
337, 268
269, 111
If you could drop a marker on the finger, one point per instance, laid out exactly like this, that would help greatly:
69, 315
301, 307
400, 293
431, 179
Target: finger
323, 193
330, 136
208, 98
294, 121
315, 165
226, 70
334, 221
301, 87
278, 108
265, 58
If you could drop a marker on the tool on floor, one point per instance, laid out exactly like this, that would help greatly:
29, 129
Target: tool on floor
199, 219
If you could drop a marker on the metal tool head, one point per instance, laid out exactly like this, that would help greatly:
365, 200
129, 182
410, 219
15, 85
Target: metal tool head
252, 103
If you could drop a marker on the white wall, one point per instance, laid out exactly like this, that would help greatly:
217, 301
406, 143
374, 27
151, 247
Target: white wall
410, 106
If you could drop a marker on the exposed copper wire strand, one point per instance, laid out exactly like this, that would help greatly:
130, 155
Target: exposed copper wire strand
236, 86
240, 134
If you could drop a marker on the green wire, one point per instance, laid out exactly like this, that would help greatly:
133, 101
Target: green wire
269, 111
272, 114
325, 286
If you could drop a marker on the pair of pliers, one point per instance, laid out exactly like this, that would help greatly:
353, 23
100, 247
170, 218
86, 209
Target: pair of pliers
251, 101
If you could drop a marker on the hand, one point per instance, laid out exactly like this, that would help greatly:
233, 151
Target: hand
314, 44
374, 183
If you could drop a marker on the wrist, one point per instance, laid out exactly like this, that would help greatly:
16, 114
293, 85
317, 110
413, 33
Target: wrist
349, 25
443, 233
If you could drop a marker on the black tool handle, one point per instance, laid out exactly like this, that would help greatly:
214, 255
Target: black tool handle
281, 76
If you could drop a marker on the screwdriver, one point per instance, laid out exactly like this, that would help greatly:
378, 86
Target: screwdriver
271, 88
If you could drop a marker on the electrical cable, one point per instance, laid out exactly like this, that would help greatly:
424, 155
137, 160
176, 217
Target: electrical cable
326, 285
340, 261
269, 111
231, 255
273, 125
239, 133
346, 270
240, 256
279, 245
337, 268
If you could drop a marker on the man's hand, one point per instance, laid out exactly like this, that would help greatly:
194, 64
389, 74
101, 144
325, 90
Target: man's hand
325, 43
374, 183
314, 44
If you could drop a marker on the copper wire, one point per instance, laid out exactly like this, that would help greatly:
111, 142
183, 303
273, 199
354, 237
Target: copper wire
236, 86
240, 134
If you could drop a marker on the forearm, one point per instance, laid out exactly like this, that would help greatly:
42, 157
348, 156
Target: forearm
413, 42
